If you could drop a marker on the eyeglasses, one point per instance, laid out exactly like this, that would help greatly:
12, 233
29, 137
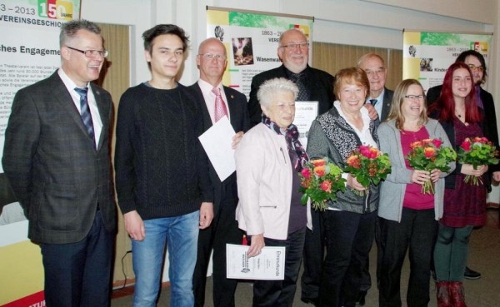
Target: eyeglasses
211, 56
474, 67
374, 72
414, 97
91, 53
296, 45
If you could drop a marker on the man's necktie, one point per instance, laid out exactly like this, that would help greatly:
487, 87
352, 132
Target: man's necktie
85, 111
373, 101
220, 106
303, 92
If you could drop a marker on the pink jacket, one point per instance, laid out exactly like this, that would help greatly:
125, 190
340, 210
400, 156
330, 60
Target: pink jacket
264, 177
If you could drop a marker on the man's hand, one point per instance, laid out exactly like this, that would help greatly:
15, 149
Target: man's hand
134, 225
372, 113
236, 139
206, 214
496, 176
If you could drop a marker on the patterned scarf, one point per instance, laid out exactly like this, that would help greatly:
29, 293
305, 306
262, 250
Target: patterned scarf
296, 151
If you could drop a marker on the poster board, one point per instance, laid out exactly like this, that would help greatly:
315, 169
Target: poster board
427, 55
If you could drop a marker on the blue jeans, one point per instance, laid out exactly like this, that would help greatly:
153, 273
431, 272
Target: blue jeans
180, 233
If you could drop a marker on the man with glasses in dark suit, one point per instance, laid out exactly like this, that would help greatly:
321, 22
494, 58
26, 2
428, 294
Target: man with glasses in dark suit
57, 159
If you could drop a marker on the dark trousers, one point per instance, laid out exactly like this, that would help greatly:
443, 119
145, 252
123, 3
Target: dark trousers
280, 293
417, 234
349, 237
224, 229
79, 274
313, 258
366, 279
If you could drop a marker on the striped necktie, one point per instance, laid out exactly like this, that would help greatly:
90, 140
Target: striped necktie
85, 112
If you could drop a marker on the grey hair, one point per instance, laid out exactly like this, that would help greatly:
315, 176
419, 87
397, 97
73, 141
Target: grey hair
70, 29
269, 88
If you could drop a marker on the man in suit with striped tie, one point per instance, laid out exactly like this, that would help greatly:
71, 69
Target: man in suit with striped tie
57, 159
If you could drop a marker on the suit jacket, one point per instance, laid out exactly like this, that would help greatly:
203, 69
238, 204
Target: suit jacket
56, 173
319, 83
490, 122
238, 113
386, 108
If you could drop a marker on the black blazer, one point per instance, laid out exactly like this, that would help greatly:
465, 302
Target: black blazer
237, 104
319, 83
386, 108
57, 175
490, 122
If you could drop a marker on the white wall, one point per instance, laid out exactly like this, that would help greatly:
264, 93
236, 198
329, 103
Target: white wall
352, 22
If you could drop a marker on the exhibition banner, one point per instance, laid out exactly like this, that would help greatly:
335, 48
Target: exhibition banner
29, 49
427, 55
251, 40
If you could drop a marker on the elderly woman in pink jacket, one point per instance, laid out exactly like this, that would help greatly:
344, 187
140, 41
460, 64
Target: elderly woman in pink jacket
268, 160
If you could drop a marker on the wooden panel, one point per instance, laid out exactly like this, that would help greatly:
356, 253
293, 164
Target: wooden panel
333, 57
115, 78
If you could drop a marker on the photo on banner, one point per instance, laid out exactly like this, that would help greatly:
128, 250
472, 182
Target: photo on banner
30, 52
427, 55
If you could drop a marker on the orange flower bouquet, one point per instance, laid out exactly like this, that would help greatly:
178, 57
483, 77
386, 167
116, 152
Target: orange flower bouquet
477, 151
427, 155
320, 180
368, 165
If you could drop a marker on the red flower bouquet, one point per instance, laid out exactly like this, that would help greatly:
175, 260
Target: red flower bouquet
320, 180
477, 151
368, 165
427, 155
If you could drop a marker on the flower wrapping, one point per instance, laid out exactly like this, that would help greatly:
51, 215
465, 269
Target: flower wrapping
320, 180
427, 155
368, 165
477, 151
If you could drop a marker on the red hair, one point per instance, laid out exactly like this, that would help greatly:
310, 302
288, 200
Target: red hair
445, 104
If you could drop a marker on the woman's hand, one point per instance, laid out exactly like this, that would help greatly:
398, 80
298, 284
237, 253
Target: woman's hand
420, 177
435, 175
257, 243
353, 183
468, 169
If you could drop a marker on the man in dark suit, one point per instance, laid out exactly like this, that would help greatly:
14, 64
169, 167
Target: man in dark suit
212, 61
58, 163
380, 98
314, 85
477, 65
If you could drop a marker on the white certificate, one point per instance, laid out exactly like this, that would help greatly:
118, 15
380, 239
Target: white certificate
268, 265
217, 144
305, 113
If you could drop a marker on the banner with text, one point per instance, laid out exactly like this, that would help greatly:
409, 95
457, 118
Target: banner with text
427, 55
251, 40
29, 49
